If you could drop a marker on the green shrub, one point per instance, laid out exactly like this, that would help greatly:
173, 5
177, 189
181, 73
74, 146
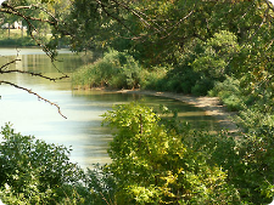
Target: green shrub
152, 78
158, 163
26, 41
180, 79
165, 162
202, 87
32, 170
15, 39
101, 184
115, 70
230, 93
202, 64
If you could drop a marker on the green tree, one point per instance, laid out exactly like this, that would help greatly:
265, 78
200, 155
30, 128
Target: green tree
152, 164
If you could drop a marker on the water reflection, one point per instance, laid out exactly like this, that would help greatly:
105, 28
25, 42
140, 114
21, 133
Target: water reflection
83, 128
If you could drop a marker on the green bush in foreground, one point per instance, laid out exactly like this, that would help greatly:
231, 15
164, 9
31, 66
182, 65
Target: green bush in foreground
155, 163
34, 172
32, 169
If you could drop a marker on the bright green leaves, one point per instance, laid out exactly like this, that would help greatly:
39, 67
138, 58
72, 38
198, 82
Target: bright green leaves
130, 116
153, 165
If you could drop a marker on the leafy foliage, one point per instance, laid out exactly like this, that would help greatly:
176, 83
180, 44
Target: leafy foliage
224, 48
114, 70
229, 92
153, 164
32, 169
203, 63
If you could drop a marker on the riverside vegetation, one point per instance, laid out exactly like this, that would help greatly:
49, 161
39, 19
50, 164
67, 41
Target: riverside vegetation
215, 48
155, 161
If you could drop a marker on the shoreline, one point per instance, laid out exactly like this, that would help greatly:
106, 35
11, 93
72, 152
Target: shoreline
211, 105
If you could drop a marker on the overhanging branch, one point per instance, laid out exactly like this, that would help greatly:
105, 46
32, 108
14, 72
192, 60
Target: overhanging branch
7, 64
34, 74
16, 11
51, 20
35, 94
3, 70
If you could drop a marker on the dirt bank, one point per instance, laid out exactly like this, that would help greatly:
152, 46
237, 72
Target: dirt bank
211, 105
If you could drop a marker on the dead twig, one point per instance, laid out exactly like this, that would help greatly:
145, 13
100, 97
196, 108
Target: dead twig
3, 70
7, 64
34, 74
35, 94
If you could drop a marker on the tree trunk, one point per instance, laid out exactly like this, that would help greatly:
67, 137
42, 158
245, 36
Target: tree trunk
9, 30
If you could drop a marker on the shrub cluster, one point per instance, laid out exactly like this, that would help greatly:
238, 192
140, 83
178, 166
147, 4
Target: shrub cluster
202, 64
166, 162
154, 161
115, 70
195, 71
118, 70
26, 41
34, 172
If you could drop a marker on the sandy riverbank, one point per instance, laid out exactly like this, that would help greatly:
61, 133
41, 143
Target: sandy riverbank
211, 105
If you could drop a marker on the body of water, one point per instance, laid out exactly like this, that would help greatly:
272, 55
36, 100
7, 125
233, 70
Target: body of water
82, 130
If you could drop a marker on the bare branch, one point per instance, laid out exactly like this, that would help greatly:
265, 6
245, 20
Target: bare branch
34, 74
7, 8
18, 11
41, 9
7, 64
3, 71
36, 94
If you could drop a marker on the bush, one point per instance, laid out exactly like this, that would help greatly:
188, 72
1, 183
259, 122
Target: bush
159, 163
115, 70
26, 41
230, 93
154, 77
101, 184
32, 170
180, 79
202, 63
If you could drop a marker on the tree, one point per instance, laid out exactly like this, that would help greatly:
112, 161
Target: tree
153, 164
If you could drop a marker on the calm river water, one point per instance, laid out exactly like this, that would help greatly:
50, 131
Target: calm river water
82, 130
